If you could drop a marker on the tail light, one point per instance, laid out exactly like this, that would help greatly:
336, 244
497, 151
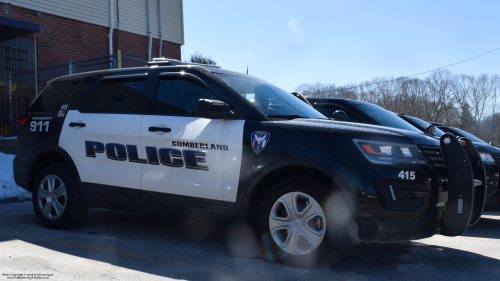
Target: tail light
21, 122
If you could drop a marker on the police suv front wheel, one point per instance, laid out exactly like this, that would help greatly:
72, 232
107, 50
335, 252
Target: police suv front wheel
295, 227
297, 223
56, 200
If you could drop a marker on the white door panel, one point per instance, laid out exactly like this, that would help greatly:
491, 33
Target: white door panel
220, 140
105, 128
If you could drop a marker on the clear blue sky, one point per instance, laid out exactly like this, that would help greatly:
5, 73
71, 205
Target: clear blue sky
292, 42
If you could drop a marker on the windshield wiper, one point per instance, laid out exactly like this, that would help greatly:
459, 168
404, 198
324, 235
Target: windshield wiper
289, 116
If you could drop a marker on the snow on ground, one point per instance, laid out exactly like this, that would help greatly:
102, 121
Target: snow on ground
8, 187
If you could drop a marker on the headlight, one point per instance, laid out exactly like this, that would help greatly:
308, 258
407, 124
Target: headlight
487, 158
380, 152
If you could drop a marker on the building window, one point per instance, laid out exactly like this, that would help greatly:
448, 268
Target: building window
17, 55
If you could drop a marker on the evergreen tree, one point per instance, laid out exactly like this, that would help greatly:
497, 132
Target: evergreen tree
466, 118
199, 58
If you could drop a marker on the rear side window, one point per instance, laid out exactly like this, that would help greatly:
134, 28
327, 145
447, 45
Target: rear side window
117, 96
53, 95
179, 97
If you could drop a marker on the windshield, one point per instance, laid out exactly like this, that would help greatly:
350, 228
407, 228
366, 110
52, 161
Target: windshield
423, 125
387, 118
462, 133
268, 98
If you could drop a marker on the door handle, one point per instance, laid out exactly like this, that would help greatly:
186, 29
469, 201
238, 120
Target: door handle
76, 124
159, 129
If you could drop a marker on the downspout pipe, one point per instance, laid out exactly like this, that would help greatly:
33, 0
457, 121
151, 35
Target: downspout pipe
159, 26
150, 33
110, 36
117, 25
36, 65
10, 97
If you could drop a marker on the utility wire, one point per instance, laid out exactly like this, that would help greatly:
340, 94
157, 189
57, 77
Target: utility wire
404, 77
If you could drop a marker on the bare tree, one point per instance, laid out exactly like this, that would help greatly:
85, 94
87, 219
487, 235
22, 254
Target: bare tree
457, 100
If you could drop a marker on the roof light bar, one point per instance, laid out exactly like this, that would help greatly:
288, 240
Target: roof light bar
165, 61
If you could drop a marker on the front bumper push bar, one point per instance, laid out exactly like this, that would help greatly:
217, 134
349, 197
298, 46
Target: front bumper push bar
465, 201
480, 188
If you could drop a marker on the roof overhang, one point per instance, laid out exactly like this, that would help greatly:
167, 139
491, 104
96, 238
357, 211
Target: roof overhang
12, 28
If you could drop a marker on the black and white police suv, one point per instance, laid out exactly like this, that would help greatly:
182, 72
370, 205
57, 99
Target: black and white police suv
199, 142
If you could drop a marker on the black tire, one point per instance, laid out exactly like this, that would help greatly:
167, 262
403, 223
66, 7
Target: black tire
336, 240
74, 211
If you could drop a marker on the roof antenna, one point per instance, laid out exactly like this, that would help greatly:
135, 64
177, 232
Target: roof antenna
247, 68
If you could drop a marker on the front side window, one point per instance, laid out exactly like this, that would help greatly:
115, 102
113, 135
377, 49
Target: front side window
117, 96
422, 125
179, 97
329, 111
268, 98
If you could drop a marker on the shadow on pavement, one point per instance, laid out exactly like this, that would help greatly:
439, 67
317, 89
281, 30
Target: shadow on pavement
191, 250
487, 227
417, 261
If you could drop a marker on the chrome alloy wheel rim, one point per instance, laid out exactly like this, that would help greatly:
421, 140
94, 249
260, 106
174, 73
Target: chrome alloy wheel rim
52, 197
297, 223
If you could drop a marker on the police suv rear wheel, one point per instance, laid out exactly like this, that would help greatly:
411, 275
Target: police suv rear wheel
52, 197
56, 200
293, 226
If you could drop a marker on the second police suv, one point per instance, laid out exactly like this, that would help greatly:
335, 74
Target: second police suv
367, 113
198, 142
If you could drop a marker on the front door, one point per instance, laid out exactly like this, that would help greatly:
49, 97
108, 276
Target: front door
187, 155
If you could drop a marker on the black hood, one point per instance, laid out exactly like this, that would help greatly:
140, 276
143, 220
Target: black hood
483, 147
357, 130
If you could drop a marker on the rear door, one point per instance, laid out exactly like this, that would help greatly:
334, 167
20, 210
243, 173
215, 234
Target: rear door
103, 136
187, 155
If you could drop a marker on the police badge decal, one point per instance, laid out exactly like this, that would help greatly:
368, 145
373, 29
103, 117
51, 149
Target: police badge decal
259, 140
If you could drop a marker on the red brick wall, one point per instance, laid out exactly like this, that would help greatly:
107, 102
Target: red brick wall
61, 39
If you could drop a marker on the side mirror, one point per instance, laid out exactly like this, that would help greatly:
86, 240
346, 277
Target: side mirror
430, 130
339, 115
301, 97
215, 109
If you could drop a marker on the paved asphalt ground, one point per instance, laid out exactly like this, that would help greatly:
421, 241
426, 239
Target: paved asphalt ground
125, 246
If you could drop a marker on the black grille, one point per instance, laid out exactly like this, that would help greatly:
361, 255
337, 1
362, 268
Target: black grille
434, 157
397, 195
496, 157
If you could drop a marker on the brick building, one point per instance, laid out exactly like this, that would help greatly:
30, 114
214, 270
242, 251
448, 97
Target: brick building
65, 32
